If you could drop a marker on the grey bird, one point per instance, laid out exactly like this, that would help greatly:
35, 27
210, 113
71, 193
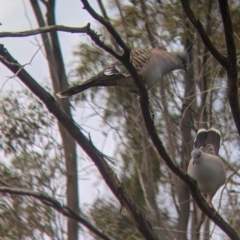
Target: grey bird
206, 167
151, 65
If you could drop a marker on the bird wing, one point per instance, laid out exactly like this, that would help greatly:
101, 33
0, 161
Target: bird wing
210, 149
212, 143
117, 68
208, 140
138, 58
200, 138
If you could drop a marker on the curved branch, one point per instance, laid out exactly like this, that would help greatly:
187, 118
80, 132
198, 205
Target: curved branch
63, 209
107, 173
206, 40
144, 103
231, 68
228, 29
106, 24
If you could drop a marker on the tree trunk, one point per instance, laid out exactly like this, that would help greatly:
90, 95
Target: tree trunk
186, 126
59, 81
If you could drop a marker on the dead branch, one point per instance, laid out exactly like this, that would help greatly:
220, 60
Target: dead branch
144, 103
63, 209
109, 176
205, 38
46, 29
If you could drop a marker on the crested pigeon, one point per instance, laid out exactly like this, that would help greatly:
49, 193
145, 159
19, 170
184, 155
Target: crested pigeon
151, 65
206, 167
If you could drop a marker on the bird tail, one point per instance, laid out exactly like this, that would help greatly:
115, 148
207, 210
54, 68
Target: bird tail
74, 90
200, 138
213, 138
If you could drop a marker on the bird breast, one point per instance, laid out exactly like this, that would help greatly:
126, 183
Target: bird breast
209, 174
159, 64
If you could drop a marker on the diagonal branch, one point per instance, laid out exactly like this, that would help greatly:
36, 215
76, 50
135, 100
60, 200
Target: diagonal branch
63, 209
108, 175
144, 103
229, 62
205, 38
228, 29
46, 29
106, 24
231, 68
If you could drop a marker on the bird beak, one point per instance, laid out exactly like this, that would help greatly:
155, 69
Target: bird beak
190, 47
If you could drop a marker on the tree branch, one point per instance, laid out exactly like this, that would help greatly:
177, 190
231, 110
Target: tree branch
46, 29
231, 68
144, 103
107, 25
108, 175
205, 38
63, 209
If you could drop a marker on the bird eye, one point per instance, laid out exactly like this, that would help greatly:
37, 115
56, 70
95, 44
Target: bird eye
199, 155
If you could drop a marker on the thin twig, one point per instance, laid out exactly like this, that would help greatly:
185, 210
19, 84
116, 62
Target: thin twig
37, 31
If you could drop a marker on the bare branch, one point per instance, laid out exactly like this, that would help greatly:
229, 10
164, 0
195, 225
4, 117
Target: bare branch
106, 24
63, 209
144, 103
229, 35
109, 176
231, 68
206, 40
37, 31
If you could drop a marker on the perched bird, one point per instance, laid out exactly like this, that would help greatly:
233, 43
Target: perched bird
151, 64
205, 166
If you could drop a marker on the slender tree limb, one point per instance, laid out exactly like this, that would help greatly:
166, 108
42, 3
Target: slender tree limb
108, 175
63, 209
104, 13
231, 68
144, 103
46, 29
108, 26
205, 38
229, 34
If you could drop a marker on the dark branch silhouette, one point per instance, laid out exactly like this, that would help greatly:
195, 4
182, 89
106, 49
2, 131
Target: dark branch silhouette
205, 38
109, 176
231, 67
47, 200
229, 62
144, 103
46, 29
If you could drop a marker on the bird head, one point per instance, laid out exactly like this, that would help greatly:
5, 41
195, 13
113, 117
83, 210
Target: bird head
196, 155
184, 60
184, 57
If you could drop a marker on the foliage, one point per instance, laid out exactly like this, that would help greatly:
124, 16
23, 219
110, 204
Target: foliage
32, 161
